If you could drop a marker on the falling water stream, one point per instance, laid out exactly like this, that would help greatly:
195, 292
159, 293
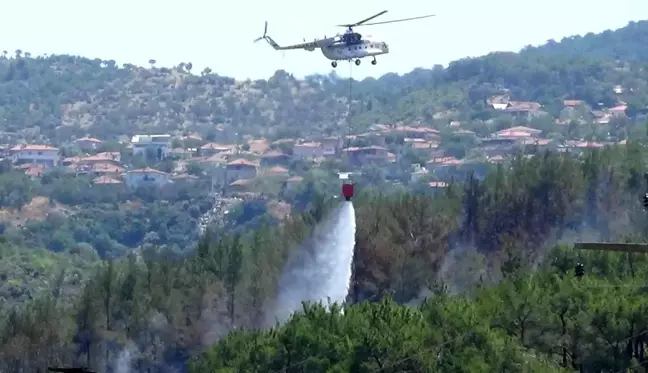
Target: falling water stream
320, 271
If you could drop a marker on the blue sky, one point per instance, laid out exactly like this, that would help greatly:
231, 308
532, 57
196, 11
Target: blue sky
206, 34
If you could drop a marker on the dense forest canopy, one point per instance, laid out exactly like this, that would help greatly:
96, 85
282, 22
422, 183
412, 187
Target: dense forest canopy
474, 277
490, 241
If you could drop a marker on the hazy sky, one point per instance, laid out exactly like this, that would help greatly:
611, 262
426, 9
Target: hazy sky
220, 36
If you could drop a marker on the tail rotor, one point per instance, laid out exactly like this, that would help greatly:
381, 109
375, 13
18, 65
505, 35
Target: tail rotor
265, 31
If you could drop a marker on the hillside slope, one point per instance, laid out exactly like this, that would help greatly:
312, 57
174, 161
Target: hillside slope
625, 44
68, 96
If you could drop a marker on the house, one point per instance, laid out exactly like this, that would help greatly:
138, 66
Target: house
499, 102
151, 146
308, 150
103, 169
416, 132
35, 171
213, 148
258, 146
331, 146
276, 171
109, 156
536, 145
240, 169
146, 177
573, 103
464, 133
618, 111
499, 106
240, 186
426, 148
369, 154
522, 107
183, 179
524, 110
450, 168
213, 161
446, 168
38, 154
373, 138
88, 143
282, 142
113, 158
106, 163
584, 144
518, 132
108, 181
275, 158
505, 141
442, 161
181, 153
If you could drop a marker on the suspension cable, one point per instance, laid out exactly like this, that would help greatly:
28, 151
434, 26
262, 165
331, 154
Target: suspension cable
348, 116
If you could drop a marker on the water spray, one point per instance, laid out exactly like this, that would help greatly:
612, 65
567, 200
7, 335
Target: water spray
320, 270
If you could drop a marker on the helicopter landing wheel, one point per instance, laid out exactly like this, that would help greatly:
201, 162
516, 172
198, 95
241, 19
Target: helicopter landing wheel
374, 62
357, 62
334, 64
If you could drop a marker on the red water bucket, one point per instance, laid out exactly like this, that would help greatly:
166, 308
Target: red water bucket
347, 191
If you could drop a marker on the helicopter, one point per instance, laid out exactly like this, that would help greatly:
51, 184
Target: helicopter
344, 47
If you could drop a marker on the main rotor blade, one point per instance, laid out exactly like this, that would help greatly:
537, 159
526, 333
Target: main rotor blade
397, 20
364, 20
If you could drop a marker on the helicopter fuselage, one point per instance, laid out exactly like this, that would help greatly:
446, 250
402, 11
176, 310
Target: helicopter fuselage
343, 51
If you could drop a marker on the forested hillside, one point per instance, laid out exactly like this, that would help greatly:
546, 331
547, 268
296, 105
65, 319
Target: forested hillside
624, 44
74, 96
486, 240
475, 276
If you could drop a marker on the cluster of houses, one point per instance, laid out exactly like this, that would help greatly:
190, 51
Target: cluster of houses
572, 109
106, 167
235, 167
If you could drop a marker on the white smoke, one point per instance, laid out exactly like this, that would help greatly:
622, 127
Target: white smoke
123, 362
463, 268
320, 270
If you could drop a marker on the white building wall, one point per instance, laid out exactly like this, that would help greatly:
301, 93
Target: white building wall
47, 157
138, 179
